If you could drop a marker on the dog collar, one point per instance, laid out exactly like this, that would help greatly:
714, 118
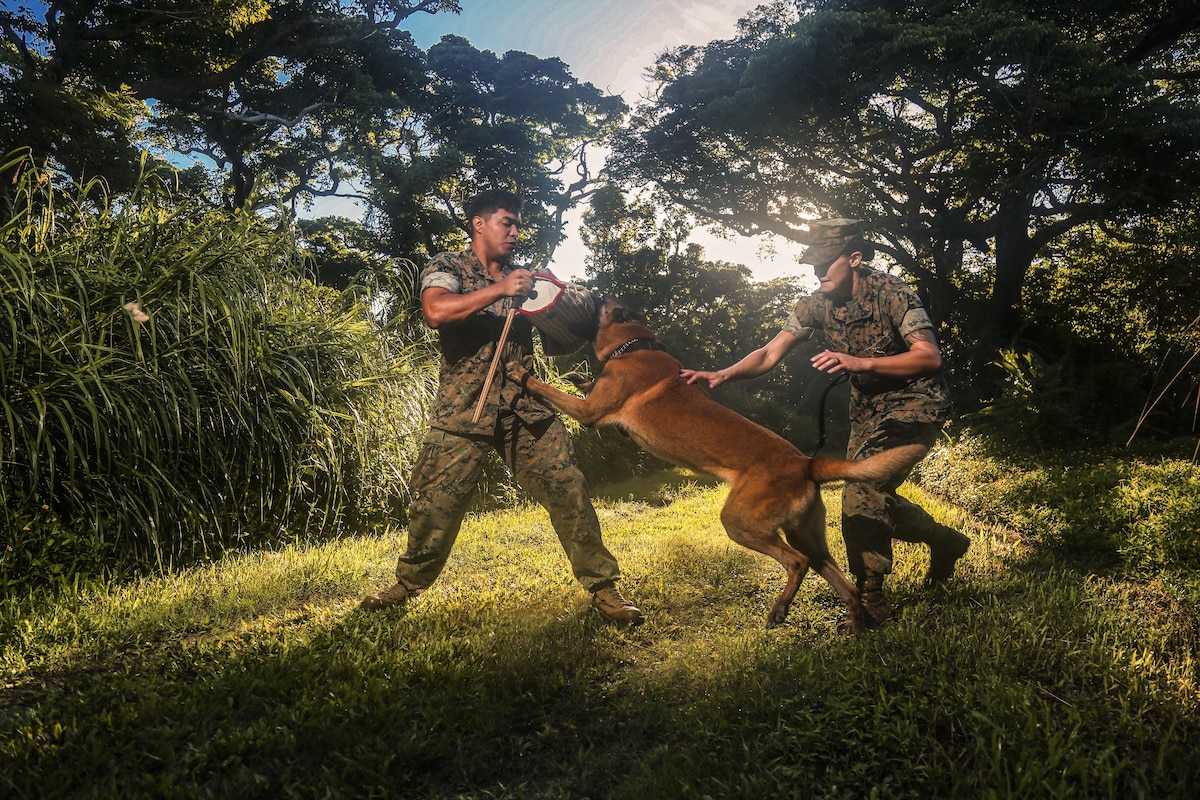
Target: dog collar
636, 344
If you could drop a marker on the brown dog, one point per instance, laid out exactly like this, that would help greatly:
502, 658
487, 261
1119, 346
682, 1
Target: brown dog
773, 487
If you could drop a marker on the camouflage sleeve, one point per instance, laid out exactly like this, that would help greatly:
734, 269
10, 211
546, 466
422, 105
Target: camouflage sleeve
440, 273
440, 280
906, 310
804, 320
915, 319
795, 328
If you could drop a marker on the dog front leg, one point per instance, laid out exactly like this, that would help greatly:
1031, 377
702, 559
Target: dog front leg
588, 413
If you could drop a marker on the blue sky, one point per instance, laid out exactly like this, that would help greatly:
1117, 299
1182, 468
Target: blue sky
609, 43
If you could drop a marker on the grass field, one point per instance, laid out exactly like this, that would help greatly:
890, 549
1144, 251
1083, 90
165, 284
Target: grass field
258, 677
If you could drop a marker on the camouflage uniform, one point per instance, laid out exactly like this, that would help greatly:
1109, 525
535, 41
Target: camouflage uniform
526, 432
884, 412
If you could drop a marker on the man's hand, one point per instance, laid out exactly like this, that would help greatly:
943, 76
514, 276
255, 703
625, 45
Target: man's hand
833, 362
516, 283
713, 379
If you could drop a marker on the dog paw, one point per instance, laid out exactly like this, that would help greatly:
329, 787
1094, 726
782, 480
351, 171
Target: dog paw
777, 616
582, 383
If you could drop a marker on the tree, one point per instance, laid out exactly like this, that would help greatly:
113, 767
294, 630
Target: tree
995, 126
267, 89
295, 100
513, 121
1119, 320
289, 100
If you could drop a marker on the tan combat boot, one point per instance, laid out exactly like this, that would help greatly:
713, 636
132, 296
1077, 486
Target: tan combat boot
615, 608
391, 596
870, 589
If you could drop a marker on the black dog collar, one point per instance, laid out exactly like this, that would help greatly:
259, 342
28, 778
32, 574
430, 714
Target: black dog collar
636, 344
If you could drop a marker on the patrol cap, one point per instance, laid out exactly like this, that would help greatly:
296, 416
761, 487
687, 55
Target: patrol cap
830, 238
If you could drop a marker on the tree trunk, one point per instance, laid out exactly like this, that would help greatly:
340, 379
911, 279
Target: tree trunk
1014, 254
947, 262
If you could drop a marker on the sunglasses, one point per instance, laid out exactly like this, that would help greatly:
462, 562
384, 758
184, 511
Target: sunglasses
821, 269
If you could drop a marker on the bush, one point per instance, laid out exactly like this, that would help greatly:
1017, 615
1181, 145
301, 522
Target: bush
40, 552
175, 386
1038, 406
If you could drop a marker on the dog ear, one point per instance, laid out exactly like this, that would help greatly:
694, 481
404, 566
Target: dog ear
623, 313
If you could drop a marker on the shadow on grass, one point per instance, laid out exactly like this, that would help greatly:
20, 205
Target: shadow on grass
427, 702
1014, 682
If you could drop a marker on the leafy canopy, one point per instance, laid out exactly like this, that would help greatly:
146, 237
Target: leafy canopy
996, 125
286, 101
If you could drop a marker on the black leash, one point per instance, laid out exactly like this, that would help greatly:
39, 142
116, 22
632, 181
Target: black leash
845, 376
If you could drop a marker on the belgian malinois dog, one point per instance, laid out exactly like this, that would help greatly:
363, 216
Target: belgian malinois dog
773, 487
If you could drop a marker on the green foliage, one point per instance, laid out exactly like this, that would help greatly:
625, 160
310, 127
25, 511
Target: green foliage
173, 386
954, 127
1100, 509
1036, 406
281, 95
1109, 351
257, 676
41, 551
1118, 308
343, 253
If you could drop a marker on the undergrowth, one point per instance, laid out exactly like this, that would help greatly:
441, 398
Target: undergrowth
174, 385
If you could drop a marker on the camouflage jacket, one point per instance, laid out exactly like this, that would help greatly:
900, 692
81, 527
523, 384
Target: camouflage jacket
872, 324
467, 350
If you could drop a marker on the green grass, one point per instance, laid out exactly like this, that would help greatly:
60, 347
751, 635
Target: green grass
258, 677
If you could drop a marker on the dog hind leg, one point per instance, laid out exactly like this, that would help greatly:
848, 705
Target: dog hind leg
807, 535
763, 537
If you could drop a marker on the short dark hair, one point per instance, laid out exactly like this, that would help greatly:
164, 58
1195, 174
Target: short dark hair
489, 201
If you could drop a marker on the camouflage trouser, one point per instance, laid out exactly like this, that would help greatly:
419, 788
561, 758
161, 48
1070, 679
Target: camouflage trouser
873, 514
542, 460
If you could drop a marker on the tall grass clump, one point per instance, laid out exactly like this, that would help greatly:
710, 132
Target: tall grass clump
173, 385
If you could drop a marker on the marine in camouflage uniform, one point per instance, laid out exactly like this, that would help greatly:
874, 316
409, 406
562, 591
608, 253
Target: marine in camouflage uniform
866, 315
532, 440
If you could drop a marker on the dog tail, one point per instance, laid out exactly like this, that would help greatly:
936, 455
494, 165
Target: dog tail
879, 468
